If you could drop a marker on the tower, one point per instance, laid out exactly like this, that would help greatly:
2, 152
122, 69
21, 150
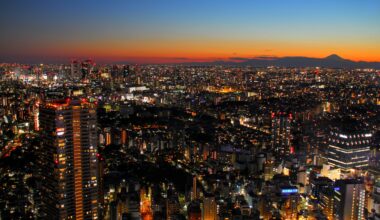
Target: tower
86, 68
69, 160
75, 69
281, 133
349, 146
349, 199
209, 208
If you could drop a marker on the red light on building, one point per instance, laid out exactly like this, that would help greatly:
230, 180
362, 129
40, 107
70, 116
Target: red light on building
292, 150
84, 100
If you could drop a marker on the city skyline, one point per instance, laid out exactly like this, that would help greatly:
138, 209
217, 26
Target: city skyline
194, 31
190, 110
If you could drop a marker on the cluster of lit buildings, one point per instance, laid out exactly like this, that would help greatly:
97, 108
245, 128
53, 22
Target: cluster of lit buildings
188, 142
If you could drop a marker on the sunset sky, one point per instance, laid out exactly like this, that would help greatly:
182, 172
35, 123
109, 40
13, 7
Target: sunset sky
188, 30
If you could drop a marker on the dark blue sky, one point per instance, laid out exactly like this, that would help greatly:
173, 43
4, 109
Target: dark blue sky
196, 29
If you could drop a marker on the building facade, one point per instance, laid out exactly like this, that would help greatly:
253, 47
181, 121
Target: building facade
281, 136
349, 199
69, 159
349, 148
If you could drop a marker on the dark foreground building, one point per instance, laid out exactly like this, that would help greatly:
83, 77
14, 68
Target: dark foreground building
69, 160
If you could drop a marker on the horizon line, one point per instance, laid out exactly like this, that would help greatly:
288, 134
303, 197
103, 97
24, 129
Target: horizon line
158, 59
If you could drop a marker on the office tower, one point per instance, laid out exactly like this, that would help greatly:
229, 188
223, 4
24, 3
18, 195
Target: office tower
281, 133
374, 160
209, 208
86, 68
326, 202
69, 159
117, 73
172, 204
318, 184
349, 199
101, 166
349, 146
75, 69
40, 71
35, 120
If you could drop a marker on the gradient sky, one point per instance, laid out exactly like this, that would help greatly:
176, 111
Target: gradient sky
188, 29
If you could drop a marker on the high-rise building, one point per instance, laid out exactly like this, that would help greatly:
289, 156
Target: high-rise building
374, 160
69, 159
281, 133
87, 68
349, 146
172, 207
75, 69
349, 199
172, 204
209, 208
326, 202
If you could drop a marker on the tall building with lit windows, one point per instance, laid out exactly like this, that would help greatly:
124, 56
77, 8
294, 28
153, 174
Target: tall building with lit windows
69, 159
209, 208
281, 136
75, 69
349, 199
349, 146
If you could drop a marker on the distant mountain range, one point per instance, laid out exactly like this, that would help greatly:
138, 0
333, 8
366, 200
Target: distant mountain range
332, 61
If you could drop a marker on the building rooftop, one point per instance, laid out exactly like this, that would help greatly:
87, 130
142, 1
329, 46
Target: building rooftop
348, 125
61, 103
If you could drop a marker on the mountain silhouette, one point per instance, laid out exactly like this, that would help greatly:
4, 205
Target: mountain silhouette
334, 57
331, 61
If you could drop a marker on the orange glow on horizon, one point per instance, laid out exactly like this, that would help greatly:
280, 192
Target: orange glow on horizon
188, 50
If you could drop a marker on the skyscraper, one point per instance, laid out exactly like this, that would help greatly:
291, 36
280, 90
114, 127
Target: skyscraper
281, 133
75, 69
209, 208
86, 68
349, 199
349, 146
69, 159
